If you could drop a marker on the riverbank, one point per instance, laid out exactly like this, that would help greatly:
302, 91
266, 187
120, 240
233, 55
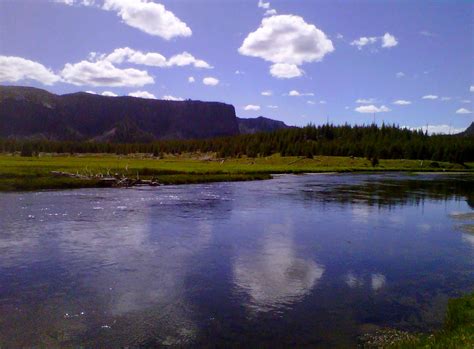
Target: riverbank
36, 173
457, 332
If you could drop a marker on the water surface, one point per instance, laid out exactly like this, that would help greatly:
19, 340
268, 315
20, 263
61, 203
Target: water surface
311, 260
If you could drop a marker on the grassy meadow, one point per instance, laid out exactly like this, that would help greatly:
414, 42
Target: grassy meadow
33, 173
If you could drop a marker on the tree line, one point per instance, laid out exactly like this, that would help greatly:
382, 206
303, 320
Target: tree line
370, 141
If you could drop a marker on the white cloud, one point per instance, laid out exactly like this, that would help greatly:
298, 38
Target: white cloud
191, 79
295, 93
142, 94
429, 97
437, 129
149, 17
272, 106
76, 2
401, 102
371, 109
388, 40
13, 69
366, 100
463, 111
471, 88
400, 74
363, 41
465, 101
444, 99
267, 93
322, 102
153, 59
109, 94
65, 2
264, 5
172, 98
311, 102
252, 107
210, 81
91, 92
287, 41
103, 73
270, 12
186, 58
239, 72
285, 71
339, 36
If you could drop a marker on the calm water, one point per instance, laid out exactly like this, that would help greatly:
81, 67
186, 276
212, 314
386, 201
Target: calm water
310, 260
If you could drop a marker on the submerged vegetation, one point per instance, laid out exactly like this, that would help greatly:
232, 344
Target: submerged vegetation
458, 330
371, 142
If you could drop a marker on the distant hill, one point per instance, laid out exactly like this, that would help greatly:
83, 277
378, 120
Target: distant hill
468, 132
260, 124
27, 112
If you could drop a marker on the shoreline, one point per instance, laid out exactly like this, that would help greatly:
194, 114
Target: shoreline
49, 172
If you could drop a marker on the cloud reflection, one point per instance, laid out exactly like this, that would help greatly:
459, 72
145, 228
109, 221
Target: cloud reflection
272, 274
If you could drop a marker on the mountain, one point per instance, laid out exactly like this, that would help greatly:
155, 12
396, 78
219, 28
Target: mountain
260, 124
35, 113
468, 132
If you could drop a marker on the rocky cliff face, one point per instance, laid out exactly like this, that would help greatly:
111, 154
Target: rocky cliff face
31, 112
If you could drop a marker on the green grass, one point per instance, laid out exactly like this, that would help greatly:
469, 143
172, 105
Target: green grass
32, 173
458, 331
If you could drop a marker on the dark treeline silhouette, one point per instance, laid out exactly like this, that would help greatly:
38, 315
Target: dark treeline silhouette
371, 141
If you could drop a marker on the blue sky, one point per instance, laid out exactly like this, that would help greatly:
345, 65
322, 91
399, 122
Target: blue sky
406, 62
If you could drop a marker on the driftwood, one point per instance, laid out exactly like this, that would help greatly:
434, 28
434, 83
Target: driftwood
109, 181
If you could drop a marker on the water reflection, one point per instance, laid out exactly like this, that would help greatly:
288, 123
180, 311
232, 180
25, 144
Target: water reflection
296, 261
272, 274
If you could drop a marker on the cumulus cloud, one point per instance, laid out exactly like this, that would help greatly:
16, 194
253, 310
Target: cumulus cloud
311, 102
191, 79
285, 71
252, 107
91, 92
153, 59
471, 88
463, 111
287, 41
400, 74
104, 73
371, 109
264, 5
13, 69
363, 41
436, 129
429, 97
270, 12
172, 98
210, 81
142, 94
267, 93
387, 40
366, 100
109, 94
149, 17
401, 102
295, 93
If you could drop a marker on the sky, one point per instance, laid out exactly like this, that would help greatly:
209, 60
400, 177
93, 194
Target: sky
408, 62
